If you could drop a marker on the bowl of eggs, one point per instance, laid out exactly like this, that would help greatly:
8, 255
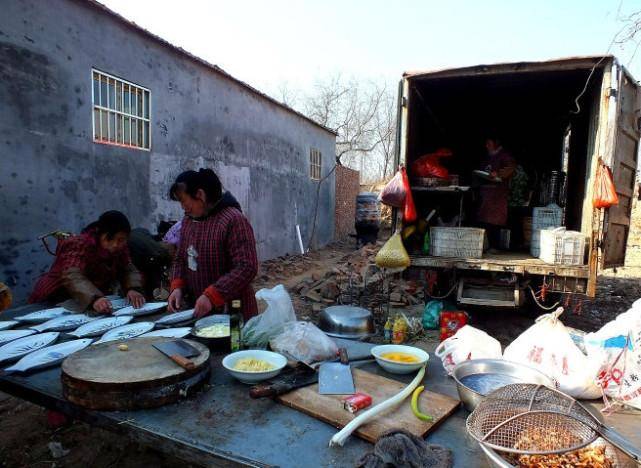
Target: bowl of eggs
400, 359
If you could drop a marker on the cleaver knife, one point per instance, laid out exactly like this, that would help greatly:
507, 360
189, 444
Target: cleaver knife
335, 378
178, 351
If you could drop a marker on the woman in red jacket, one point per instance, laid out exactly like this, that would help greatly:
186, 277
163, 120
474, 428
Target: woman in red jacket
87, 266
216, 258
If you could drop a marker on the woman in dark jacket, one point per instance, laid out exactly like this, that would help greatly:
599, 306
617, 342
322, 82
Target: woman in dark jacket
87, 266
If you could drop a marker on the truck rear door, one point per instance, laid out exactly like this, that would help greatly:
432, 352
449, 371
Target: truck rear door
623, 162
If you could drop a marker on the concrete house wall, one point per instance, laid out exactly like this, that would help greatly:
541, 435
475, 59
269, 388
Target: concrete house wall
54, 176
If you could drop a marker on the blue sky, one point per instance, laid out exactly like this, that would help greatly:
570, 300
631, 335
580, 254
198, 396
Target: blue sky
269, 42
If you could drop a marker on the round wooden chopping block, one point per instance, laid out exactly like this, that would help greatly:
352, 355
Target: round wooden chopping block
104, 377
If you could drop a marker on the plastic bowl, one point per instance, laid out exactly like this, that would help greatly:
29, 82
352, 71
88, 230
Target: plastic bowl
275, 359
399, 367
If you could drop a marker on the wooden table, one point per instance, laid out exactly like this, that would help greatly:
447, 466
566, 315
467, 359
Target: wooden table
222, 426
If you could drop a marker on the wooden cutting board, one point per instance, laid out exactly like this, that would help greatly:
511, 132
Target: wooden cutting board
103, 377
329, 408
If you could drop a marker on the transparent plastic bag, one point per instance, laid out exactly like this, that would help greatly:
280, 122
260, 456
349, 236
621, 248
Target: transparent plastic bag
394, 192
393, 254
304, 341
260, 329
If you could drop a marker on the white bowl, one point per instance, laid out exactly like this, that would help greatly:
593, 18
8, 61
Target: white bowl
399, 367
274, 359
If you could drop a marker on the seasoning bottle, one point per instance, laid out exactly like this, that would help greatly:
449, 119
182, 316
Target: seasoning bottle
387, 329
235, 323
399, 331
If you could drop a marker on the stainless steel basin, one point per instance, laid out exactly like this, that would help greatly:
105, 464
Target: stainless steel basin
349, 322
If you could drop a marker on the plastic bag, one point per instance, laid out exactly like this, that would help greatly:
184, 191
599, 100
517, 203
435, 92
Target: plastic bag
393, 254
429, 165
432, 313
394, 192
409, 211
304, 341
548, 347
617, 347
605, 193
260, 329
468, 343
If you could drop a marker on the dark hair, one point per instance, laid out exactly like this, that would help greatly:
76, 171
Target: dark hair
110, 223
190, 182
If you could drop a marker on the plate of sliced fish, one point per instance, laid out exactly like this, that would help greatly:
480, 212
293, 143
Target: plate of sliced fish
5, 325
126, 331
10, 335
148, 308
177, 317
66, 322
43, 315
179, 332
17, 348
48, 356
100, 326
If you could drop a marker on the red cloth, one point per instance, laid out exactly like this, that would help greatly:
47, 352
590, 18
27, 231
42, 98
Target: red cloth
494, 196
83, 252
225, 255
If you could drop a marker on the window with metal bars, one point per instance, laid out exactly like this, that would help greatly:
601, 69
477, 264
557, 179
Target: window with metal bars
314, 164
121, 112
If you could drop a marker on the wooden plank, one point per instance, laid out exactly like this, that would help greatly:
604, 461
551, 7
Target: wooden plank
329, 408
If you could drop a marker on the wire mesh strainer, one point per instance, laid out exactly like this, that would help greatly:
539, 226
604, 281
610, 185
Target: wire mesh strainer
536, 420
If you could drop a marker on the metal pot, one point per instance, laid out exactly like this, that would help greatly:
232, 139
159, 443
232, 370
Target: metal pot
348, 322
498, 373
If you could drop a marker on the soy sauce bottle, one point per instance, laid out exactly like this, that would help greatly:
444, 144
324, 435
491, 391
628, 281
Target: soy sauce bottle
235, 324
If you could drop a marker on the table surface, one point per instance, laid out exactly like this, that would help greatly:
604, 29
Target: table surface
222, 426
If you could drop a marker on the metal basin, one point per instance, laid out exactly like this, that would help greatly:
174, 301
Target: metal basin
479, 377
348, 322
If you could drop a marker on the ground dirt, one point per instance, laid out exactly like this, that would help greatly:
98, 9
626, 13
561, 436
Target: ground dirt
25, 435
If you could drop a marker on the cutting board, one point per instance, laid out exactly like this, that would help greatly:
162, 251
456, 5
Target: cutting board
103, 377
329, 408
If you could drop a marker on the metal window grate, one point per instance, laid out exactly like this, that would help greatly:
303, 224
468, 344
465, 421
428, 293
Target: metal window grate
314, 164
121, 112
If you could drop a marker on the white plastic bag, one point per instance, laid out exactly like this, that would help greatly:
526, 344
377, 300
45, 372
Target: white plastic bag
260, 329
467, 343
548, 347
305, 342
617, 347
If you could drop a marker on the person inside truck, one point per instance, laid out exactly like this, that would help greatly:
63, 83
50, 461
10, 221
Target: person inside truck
492, 212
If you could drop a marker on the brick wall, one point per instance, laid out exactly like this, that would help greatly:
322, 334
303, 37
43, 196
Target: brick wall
347, 188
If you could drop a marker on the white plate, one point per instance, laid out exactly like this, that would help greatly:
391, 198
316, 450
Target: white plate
48, 356
10, 335
66, 322
176, 317
400, 367
126, 332
275, 359
43, 315
22, 346
148, 308
179, 332
5, 325
100, 326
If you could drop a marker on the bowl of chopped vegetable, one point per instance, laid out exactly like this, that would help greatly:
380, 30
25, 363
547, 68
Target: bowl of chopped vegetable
400, 359
254, 365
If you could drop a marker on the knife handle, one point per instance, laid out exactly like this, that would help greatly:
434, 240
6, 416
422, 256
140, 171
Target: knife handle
342, 354
262, 391
183, 362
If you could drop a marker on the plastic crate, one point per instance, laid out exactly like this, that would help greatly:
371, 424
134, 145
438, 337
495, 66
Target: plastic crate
562, 247
461, 242
544, 217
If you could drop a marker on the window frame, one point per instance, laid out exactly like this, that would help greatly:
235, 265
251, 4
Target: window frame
138, 120
315, 167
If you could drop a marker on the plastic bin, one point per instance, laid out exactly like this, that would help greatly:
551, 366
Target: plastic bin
562, 247
460, 242
544, 217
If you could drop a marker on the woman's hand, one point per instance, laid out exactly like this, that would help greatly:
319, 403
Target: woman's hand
135, 299
203, 307
102, 306
175, 300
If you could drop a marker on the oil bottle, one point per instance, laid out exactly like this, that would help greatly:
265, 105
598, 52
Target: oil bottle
236, 325
399, 331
